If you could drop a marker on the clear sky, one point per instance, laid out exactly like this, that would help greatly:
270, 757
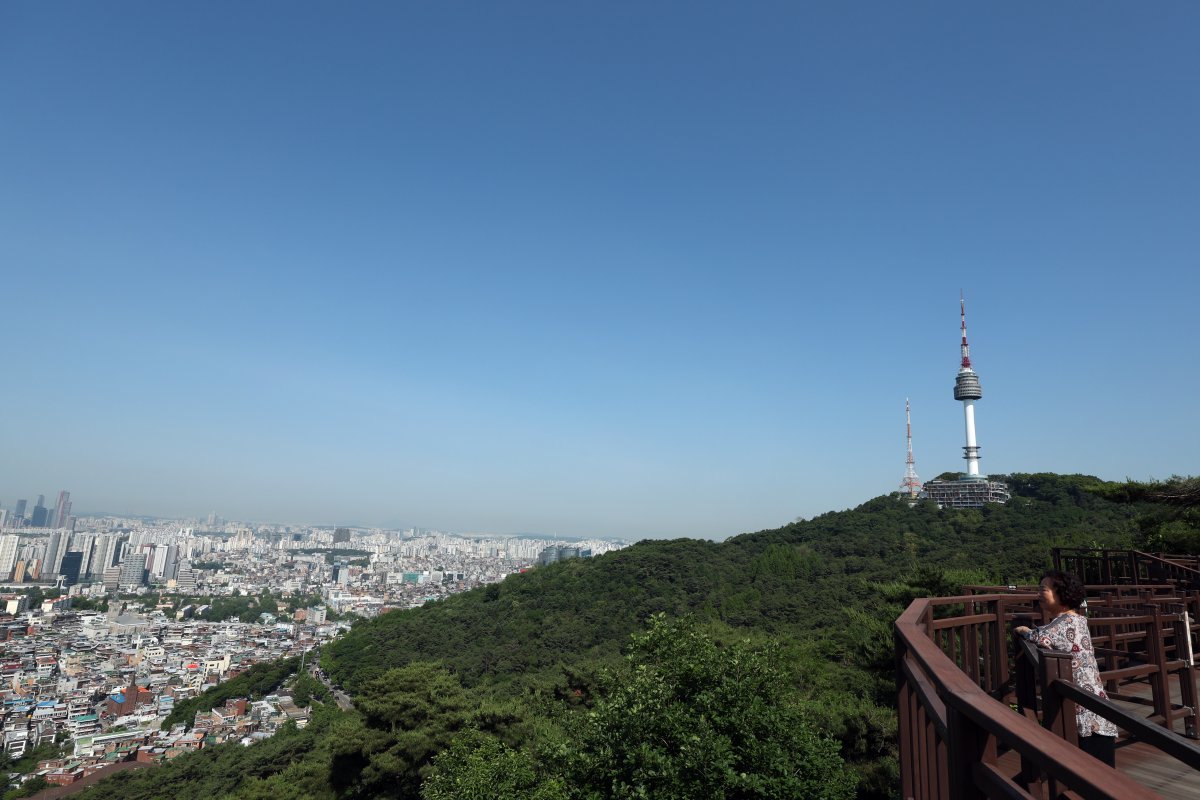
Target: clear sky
611, 269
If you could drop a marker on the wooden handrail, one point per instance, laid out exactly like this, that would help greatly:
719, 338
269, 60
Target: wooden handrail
1167, 741
975, 723
1164, 739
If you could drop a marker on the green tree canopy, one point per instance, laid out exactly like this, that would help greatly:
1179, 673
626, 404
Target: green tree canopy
688, 720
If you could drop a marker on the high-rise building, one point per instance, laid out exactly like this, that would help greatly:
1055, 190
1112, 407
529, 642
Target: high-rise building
133, 571
54, 552
84, 542
171, 562
69, 568
38, 518
185, 579
8, 554
62, 509
19, 511
107, 553
160, 561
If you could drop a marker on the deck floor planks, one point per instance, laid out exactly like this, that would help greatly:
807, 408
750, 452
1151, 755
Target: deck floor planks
1171, 779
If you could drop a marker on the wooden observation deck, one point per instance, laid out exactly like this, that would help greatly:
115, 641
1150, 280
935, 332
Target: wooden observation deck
983, 714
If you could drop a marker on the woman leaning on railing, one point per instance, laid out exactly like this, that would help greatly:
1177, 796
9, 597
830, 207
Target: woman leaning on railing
1061, 594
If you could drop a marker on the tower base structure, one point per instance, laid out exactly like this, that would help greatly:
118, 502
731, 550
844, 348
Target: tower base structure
969, 491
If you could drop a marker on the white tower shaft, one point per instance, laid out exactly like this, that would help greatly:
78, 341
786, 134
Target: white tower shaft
971, 451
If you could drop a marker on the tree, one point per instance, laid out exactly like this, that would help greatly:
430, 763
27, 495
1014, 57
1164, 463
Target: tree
29, 787
688, 720
480, 767
411, 714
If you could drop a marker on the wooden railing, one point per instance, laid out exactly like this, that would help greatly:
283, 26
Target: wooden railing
1103, 566
1048, 674
953, 671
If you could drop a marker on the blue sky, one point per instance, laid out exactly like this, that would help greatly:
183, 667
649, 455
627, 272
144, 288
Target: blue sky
635, 270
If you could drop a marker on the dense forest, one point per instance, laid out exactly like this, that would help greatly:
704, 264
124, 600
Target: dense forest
759, 667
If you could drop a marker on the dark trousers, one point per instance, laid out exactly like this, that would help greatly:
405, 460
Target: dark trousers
1101, 747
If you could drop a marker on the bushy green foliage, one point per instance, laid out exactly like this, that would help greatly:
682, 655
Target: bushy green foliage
292, 764
28, 762
245, 608
306, 689
254, 683
89, 603
688, 720
683, 718
481, 767
1169, 520
28, 788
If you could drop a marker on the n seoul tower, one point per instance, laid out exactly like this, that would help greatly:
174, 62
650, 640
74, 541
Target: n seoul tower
967, 389
971, 490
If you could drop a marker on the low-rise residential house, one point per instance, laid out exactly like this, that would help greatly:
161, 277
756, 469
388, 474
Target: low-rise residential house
83, 725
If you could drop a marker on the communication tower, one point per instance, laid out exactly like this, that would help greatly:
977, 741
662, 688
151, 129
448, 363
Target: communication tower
911, 485
971, 490
967, 389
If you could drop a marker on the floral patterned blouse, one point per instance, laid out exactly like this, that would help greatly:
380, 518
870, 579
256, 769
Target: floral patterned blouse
1068, 633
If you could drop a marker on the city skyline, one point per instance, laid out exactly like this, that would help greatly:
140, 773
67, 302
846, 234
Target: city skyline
12, 519
614, 272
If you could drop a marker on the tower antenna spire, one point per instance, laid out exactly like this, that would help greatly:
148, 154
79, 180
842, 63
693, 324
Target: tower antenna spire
966, 348
911, 485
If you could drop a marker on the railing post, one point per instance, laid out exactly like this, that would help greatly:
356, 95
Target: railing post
1156, 651
904, 712
1187, 673
970, 650
999, 647
1058, 713
1025, 677
1025, 680
966, 746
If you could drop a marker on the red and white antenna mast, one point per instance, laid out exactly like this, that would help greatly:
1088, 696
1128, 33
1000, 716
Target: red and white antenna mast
966, 348
911, 485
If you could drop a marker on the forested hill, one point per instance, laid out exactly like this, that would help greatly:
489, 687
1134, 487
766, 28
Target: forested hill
818, 574
757, 667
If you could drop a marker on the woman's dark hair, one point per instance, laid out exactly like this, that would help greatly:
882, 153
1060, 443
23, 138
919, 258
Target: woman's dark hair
1069, 590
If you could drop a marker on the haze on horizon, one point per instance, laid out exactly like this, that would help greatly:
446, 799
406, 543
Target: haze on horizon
615, 271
